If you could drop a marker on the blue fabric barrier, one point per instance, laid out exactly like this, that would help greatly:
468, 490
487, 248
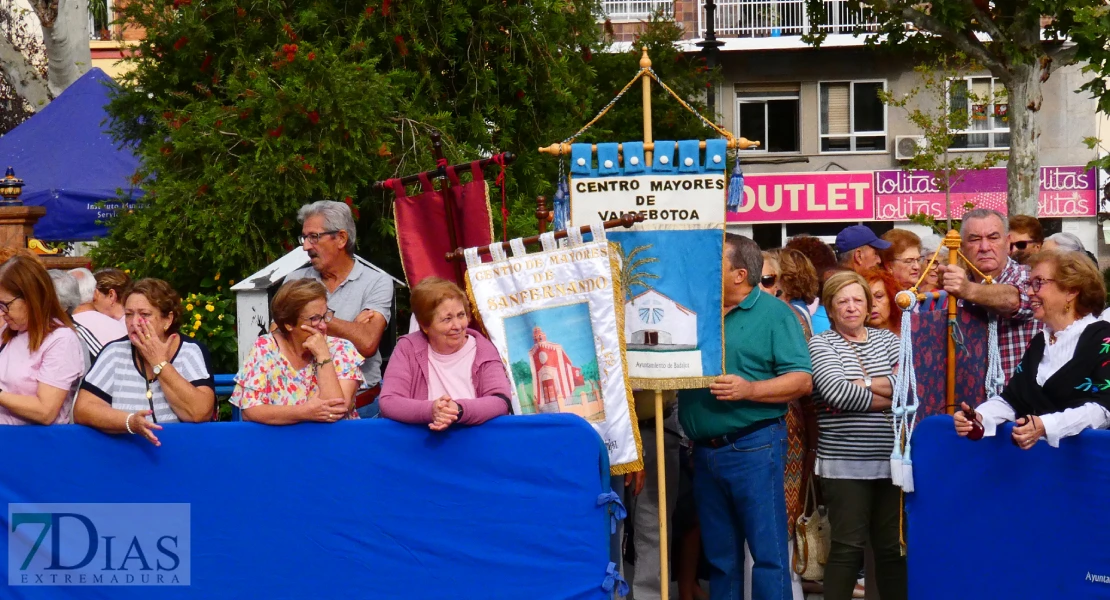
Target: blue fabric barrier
355, 509
989, 520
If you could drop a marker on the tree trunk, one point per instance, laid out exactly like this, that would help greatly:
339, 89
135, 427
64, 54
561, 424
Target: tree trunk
1023, 172
66, 38
22, 76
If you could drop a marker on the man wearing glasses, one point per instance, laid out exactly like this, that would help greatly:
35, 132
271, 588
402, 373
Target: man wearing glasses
1026, 237
360, 297
984, 241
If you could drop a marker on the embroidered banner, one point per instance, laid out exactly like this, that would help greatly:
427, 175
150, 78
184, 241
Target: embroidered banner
671, 263
555, 319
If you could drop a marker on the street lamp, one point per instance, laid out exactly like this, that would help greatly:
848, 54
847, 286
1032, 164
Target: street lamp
710, 47
10, 188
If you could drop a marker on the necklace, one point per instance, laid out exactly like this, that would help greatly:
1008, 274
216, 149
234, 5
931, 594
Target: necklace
140, 364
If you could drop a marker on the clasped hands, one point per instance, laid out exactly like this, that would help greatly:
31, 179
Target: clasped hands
445, 411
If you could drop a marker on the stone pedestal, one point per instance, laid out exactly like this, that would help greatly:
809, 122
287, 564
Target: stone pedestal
17, 224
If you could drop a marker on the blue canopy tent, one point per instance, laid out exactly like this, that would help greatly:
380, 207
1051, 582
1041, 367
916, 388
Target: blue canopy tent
70, 163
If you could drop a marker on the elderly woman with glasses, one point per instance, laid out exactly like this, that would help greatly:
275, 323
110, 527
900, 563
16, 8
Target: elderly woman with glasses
1062, 385
298, 373
903, 257
769, 280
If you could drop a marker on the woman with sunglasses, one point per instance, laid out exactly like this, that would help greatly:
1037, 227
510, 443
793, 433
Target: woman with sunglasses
40, 354
768, 282
1062, 385
298, 373
153, 376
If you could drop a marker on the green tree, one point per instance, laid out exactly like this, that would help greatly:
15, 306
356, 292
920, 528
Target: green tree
522, 373
1090, 32
938, 108
243, 111
632, 273
1020, 43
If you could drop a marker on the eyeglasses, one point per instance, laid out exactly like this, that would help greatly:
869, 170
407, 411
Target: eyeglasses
5, 306
315, 320
920, 260
1037, 283
768, 281
315, 237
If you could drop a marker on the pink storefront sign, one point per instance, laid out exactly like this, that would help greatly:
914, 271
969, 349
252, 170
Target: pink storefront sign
802, 197
1064, 192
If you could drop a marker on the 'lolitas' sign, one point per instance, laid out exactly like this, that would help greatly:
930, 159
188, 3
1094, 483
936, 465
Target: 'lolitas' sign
1064, 192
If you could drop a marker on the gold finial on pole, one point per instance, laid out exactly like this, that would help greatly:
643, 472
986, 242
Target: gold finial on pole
645, 63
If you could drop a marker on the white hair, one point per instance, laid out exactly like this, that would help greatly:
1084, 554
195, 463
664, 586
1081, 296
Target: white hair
1068, 242
337, 217
86, 283
65, 285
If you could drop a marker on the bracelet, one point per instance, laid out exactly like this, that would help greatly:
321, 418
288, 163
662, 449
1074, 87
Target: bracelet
320, 363
127, 423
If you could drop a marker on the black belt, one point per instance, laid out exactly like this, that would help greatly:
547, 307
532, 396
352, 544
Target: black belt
731, 438
651, 421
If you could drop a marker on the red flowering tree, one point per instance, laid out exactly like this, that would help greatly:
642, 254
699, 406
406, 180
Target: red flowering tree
244, 111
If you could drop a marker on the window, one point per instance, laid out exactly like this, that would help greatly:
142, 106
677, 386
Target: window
769, 115
853, 118
100, 19
620, 10
988, 122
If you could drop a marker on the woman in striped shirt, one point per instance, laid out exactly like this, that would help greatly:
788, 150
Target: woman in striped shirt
853, 382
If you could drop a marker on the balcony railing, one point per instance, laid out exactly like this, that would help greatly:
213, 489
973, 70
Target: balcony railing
774, 18
619, 10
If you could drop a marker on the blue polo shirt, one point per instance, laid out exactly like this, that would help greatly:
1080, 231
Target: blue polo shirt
763, 340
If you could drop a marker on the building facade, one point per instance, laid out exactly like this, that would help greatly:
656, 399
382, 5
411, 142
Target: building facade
831, 152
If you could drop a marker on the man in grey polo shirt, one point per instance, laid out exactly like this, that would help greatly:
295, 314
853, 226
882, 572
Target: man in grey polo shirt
360, 296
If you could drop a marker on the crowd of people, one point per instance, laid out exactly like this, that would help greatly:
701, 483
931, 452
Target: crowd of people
811, 353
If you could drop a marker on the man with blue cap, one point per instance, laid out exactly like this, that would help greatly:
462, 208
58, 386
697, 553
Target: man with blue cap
857, 248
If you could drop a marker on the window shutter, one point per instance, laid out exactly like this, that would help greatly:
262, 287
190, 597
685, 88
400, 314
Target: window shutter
837, 116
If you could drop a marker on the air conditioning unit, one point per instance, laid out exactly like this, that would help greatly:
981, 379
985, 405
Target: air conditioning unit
908, 146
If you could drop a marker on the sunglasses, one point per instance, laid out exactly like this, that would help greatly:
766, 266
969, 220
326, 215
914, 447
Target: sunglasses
1022, 245
768, 281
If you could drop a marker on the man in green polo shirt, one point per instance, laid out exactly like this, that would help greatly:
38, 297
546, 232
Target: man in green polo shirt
739, 432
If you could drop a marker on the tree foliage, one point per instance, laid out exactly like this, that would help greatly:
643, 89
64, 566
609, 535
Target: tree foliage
928, 106
242, 110
1021, 43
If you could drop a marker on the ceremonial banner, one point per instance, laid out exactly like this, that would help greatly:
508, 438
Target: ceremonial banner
930, 342
555, 319
671, 263
422, 226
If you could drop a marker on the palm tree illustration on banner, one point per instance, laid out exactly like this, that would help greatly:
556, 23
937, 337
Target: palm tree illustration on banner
632, 272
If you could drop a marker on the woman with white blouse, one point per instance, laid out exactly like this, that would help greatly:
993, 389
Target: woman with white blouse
1062, 385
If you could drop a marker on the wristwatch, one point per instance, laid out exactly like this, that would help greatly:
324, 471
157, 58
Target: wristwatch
460, 410
158, 368
866, 382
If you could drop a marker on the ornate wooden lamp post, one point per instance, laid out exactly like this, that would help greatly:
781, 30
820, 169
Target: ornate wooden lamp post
10, 188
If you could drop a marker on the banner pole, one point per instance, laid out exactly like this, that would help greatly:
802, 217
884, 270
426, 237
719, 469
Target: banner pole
661, 463
645, 63
952, 242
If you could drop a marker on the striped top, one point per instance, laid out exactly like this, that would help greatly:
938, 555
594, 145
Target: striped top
853, 443
116, 379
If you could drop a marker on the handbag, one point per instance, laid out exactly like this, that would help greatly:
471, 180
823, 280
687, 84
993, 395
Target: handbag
812, 538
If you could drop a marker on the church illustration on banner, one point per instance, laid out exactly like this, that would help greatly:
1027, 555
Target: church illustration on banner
655, 322
557, 385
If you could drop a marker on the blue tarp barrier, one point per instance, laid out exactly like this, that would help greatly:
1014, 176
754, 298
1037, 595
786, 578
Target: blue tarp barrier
69, 163
362, 509
989, 520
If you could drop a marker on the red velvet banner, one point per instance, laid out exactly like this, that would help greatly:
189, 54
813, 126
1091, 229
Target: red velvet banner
422, 226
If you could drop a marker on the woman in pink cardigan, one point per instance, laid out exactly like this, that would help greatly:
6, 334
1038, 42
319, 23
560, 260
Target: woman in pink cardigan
445, 373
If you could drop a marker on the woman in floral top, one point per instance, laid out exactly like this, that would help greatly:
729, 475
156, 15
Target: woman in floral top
297, 373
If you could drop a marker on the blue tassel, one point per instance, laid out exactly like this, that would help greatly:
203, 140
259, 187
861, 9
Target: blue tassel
613, 580
617, 512
562, 204
736, 187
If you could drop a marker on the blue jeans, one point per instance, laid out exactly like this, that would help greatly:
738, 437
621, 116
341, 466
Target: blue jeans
740, 497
